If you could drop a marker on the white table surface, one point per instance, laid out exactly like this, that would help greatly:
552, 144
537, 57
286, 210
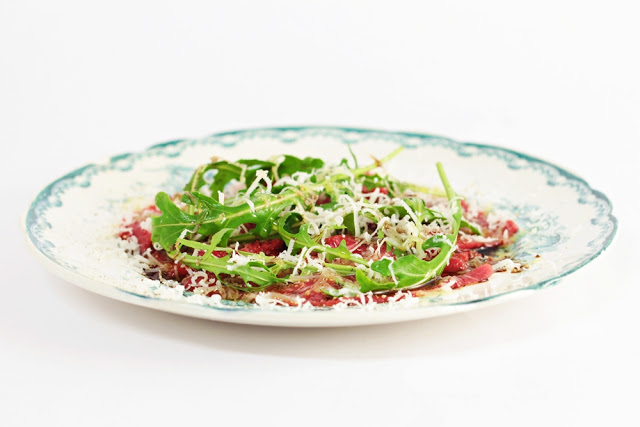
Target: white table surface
559, 80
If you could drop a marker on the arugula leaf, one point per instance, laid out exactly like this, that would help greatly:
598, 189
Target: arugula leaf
353, 156
253, 166
218, 242
350, 223
213, 216
454, 203
408, 270
471, 226
293, 164
374, 181
255, 274
197, 181
225, 173
302, 239
168, 227
262, 211
247, 169
417, 206
230, 171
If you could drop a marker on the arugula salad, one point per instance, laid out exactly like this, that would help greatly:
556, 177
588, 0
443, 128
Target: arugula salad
299, 232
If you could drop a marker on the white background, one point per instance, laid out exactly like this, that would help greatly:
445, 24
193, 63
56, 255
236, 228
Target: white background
80, 81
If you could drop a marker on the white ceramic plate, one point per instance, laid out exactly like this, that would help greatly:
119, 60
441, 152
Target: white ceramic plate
70, 225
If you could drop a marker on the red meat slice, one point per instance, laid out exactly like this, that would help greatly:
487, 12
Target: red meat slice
217, 254
323, 199
171, 269
511, 227
459, 261
464, 244
350, 241
268, 247
477, 275
143, 236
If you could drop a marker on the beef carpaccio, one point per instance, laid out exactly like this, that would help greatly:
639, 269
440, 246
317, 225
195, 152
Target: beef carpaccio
295, 231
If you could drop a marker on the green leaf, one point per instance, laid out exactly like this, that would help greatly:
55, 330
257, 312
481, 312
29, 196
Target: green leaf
263, 213
230, 171
197, 180
168, 227
218, 242
417, 206
212, 216
253, 166
350, 223
353, 156
255, 274
225, 173
454, 203
302, 239
369, 182
471, 226
292, 164
408, 270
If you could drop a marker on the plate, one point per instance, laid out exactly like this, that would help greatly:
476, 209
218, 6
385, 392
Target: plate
71, 224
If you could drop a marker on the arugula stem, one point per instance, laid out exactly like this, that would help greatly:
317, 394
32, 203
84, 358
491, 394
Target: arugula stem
378, 163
